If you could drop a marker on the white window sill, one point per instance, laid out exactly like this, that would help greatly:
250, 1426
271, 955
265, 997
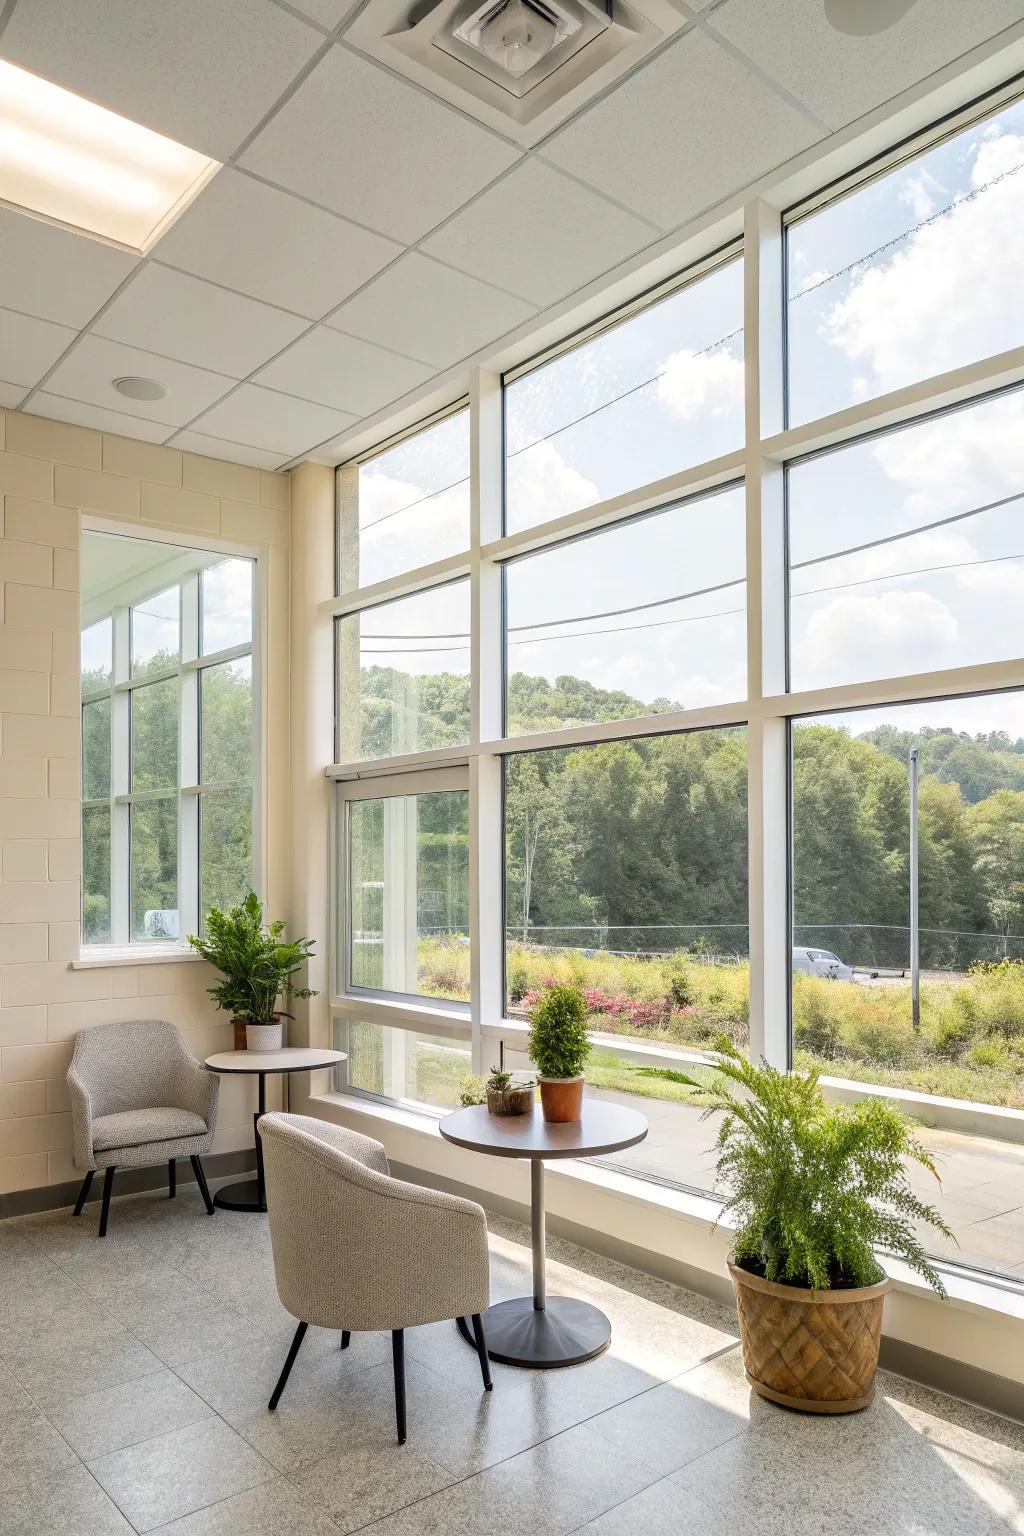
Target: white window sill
966, 1291
102, 955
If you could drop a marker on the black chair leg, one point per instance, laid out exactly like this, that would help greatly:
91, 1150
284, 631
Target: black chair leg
108, 1184
172, 1179
398, 1356
197, 1169
83, 1193
300, 1334
345, 1338
481, 1349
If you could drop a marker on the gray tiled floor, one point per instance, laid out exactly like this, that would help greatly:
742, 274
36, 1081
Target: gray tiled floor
135, 1373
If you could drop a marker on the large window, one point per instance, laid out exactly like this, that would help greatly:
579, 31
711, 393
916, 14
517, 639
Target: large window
727, 718
167, 737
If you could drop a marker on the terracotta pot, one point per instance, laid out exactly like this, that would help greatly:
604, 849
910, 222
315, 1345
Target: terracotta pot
239, 1025
561, 1098
517, 1100
264, 1037
814, 1350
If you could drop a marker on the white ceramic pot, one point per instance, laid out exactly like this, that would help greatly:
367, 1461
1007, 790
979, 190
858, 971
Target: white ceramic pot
264, 1037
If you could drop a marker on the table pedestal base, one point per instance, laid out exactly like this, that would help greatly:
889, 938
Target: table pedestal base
244, 1196
566, 1332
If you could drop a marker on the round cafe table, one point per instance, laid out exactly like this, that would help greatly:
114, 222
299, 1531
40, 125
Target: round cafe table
251, 1194
541, 1331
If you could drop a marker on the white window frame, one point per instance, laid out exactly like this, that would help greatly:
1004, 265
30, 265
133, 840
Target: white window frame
769, 445
190, 787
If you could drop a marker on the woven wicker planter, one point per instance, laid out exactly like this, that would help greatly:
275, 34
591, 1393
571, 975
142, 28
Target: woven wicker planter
815, 1350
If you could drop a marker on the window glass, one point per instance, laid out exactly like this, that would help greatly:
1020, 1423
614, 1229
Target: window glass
408, 894
403, 675
407, 506
226, 722
405, 1063
644, 398
641, 618
96, 874
907, 549
225, 835
154, 869
914, 273
155, 626
155, 735
96, 749
97, 656
853, 1012
226, 605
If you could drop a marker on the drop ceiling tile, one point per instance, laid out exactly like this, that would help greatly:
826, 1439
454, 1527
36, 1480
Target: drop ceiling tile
430, 312
221, 448
88, 372
55, 274
273, 247
204, 74
29, 346
58, 409
358, 140
327, 12
280, 423
11, 394
692, 126
539, 235
343, 372
840, 77
197, 322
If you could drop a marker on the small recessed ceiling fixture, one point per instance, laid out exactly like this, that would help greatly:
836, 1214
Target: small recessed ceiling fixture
863, 18
71, 162
139, 389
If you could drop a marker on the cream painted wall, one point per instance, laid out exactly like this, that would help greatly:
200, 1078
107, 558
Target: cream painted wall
51, 474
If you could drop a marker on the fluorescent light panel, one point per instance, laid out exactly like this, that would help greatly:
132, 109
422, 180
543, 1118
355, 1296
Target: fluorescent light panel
71, 161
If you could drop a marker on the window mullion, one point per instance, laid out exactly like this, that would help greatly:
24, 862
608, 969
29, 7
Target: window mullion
120, 781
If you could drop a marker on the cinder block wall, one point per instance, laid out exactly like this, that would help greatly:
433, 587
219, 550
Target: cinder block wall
50, 474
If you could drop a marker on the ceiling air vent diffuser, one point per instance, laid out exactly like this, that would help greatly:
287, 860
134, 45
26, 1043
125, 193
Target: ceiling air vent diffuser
521, 66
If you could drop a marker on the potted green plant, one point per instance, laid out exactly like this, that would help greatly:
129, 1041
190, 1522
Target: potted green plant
815, 1189
507, 1097
257, 963
559, 1049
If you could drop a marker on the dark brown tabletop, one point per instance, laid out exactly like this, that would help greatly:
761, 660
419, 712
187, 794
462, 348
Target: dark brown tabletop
604, 1128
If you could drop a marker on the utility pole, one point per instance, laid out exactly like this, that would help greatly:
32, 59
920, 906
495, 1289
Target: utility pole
915, 922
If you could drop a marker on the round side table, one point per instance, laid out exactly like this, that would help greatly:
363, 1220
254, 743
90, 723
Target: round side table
251, 1194
542, 1331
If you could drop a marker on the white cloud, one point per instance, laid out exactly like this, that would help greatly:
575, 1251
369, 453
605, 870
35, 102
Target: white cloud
541, 485
393, 539
700, 383
952, 290
961, 460
860, 636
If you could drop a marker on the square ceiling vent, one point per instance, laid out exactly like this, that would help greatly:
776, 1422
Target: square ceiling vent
521, 66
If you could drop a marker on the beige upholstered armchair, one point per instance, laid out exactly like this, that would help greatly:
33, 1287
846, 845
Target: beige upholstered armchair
139, 1096
355, 1249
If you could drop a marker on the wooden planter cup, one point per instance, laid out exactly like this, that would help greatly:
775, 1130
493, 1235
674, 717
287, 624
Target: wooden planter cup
517, 1100
814, 1350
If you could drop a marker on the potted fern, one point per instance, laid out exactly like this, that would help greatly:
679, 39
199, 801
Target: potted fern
257, 963
559, 1049
815, 1189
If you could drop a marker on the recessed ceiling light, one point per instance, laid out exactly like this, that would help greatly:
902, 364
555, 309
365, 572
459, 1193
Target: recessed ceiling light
72, 162
139, 389
864, 18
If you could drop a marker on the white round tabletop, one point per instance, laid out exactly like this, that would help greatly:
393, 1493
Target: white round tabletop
292, 1058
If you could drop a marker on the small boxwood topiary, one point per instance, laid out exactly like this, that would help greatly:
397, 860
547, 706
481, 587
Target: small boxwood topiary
558, 1033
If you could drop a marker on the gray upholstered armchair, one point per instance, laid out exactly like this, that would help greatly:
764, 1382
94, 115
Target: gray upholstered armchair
139, 1096
355, 1249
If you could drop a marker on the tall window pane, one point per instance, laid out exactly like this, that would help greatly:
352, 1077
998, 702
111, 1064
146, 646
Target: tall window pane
403, 675
155, 627
408, 894
96, 749
639, 619
660, 391
154, 869
225, 836
155, 735
96, 874
407, 506
853, 947
404, 1063
913, 274
226, 605
907, 549
226, 722
97, 656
